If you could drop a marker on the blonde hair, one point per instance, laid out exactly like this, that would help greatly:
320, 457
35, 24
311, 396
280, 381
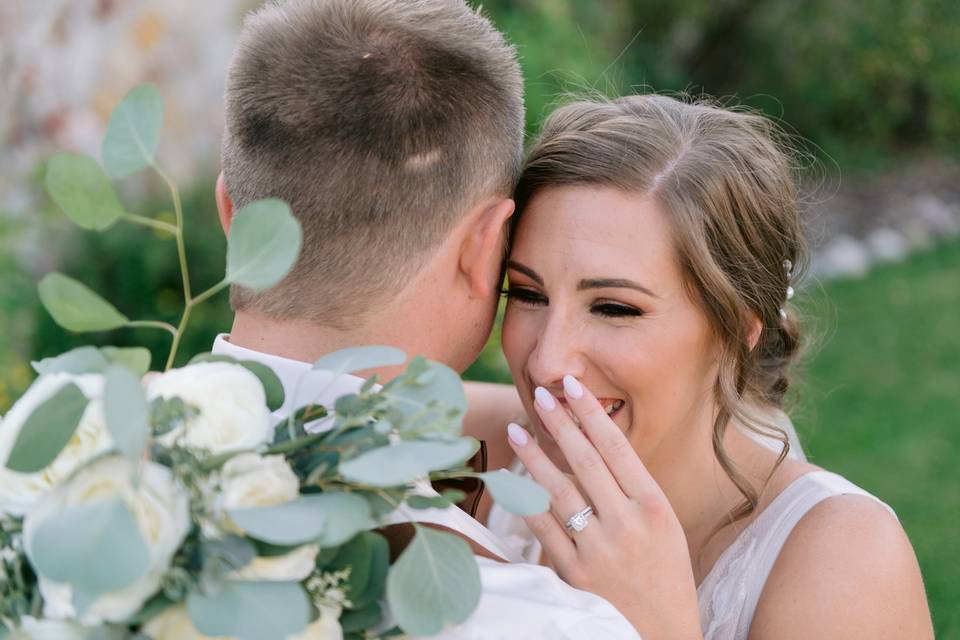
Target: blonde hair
725, 181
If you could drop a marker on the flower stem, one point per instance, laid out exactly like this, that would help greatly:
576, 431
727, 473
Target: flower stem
150, 222
181, 248
153, 324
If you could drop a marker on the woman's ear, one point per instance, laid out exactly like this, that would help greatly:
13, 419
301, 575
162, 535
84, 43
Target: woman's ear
224, 205
482, 252
755, 329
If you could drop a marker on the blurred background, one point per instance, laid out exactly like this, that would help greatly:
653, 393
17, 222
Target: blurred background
870, 89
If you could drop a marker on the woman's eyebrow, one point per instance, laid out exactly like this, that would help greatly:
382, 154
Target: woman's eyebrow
614, 283
525, 270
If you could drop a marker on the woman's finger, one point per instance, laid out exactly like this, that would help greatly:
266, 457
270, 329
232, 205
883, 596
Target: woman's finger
610, 442
565, 498
584, 460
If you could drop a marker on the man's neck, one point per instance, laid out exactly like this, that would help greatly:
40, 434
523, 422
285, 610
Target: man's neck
306, 341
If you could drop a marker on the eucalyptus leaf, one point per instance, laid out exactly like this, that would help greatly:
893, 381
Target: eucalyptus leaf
89, 359
75, 307
379, 565
251, 610
77, 361
328, 518
95, 547
349, 515
48, 430
402, 463
359, 358
80, 187
427, 502
517, 494
126, 411
264, 243
272, 386
133, 133
361, 619
136, 359
435, 394
435, 582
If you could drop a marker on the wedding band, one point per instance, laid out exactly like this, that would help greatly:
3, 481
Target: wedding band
578, 521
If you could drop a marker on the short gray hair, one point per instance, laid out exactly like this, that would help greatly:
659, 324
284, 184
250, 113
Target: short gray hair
381, 122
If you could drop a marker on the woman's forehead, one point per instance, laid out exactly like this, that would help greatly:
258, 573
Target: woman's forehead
594, 228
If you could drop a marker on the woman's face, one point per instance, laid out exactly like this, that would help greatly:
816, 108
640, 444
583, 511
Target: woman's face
595, 291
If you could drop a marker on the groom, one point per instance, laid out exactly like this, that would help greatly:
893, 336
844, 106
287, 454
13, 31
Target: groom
394, 129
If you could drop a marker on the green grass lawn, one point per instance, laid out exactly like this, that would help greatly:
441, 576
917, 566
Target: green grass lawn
879, 403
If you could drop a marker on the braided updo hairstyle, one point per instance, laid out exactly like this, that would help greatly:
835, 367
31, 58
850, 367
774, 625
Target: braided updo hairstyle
725, 182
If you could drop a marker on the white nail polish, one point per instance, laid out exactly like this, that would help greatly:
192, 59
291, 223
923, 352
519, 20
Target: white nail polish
545, 399
517, 434
572, 387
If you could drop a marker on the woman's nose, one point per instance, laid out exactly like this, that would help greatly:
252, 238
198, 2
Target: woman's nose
556, 354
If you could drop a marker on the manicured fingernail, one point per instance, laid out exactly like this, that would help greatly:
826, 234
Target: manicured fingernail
517, 434
572, 387
545, 399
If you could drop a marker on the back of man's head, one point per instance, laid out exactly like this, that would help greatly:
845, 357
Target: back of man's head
381, 123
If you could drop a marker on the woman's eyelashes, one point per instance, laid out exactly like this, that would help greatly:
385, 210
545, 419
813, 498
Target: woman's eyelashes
524, 296
616, 310
605, 308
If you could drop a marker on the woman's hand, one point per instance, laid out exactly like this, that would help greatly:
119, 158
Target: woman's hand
632, 551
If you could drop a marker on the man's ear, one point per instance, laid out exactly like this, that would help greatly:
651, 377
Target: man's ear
481, 255
224, 205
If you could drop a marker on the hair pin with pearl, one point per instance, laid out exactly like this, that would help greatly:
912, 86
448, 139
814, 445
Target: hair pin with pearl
788, 267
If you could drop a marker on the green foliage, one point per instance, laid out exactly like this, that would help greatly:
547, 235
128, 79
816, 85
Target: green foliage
133, 132
80, 187
264, 243
103, 552
75, 307
359, 358
435, 573
48, 430
518, 494
126, 412
327, 518
251, 610
863, 80
406, 461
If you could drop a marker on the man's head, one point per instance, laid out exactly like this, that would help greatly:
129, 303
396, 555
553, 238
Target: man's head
393, 128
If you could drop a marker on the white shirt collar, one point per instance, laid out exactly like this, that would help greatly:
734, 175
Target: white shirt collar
303, 385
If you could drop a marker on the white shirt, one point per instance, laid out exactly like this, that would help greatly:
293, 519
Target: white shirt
519, 601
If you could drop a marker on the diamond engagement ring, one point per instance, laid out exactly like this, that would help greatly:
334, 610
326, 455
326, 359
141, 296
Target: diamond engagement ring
578, 521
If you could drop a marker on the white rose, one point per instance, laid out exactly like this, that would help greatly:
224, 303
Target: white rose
290, 567
160, 509
326, 627
252, 480
20, 491
174, 624
232, 404
36, 629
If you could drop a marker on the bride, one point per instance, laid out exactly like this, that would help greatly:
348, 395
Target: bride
649, 333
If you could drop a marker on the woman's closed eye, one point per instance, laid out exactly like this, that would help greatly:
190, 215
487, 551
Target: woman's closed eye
615, 310
604, 308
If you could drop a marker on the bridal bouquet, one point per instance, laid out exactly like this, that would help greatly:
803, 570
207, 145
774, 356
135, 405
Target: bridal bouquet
171, 505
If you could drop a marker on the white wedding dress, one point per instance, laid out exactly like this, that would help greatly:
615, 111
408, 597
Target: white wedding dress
729, 594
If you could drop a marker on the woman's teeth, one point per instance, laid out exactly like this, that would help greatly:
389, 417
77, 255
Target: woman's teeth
612, 407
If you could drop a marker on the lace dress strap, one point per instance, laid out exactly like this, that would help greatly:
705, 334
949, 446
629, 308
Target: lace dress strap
729, 594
